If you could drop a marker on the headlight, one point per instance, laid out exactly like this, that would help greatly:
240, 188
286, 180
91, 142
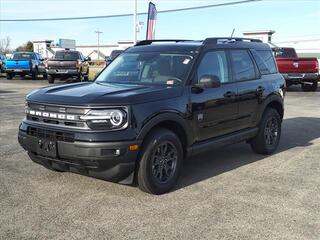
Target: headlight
106, 119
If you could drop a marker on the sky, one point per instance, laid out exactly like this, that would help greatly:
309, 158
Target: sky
289, 18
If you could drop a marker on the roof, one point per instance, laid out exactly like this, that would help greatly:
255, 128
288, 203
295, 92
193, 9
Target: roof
193, 45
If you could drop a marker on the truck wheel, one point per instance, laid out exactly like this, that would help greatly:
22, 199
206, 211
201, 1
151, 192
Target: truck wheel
161, 161
267, 139
10, 76
34, 74
50, 79
309, 88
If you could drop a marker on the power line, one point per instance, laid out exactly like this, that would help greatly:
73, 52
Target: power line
127, 14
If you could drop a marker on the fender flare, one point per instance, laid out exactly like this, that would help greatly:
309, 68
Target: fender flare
163, 117
274, 97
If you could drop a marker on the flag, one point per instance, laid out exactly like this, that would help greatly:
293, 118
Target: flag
152, 17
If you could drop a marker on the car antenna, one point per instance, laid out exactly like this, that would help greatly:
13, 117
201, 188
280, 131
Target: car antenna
232, 33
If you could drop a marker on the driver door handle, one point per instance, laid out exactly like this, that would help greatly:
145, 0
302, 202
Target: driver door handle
229, 94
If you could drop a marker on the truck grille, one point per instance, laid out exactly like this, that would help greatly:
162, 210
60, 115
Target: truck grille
56, 115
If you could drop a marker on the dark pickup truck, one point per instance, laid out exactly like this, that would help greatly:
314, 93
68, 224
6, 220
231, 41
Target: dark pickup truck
67, 64
304, 71
155, 105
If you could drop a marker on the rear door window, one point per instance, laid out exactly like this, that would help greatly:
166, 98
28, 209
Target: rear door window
243, 67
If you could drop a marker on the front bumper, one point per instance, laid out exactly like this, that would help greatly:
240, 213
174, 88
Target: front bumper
301, 77
111, 161
72, 72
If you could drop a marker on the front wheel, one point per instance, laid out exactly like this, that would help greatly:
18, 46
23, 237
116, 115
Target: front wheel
50, 79
10, 76
267, 139
160, 163
309, 87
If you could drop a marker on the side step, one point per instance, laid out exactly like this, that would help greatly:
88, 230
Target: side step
217, 142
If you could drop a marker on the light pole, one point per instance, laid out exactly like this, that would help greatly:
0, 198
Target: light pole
134, 21
98, 32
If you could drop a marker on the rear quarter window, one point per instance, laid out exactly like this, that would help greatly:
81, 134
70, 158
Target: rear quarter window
243, 66
265, 61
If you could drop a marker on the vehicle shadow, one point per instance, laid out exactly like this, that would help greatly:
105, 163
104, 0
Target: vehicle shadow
297, 88
296, 132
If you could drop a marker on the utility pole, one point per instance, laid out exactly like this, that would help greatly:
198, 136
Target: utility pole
134, 21
98, 32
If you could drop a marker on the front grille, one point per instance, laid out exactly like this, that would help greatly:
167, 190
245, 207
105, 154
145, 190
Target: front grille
56, 115
50, 135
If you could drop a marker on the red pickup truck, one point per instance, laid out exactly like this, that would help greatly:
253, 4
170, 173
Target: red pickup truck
304, 71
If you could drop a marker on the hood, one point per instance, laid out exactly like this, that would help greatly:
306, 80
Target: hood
102, 94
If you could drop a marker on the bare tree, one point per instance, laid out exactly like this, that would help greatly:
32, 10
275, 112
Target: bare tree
5, 45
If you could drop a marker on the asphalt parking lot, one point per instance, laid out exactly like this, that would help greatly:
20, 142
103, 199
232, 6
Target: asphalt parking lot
230, 193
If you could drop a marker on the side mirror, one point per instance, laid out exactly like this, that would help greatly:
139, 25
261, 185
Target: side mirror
108, 60
88, 59
206, 81
209, 81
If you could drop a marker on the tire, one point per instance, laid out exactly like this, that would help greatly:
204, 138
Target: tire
268, 137
159, 176
309, 88
50, 79
10, 76
34, 74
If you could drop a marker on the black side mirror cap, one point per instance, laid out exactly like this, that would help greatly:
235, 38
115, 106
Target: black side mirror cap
209, 81
206, 81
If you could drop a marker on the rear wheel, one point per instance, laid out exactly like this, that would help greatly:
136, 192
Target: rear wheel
160, 163
309, 87
50, 79
10, 76
267, 139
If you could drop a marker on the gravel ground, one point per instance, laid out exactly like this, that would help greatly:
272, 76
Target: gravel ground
230, 193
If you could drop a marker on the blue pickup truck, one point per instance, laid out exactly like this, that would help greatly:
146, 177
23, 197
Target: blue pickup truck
25, 63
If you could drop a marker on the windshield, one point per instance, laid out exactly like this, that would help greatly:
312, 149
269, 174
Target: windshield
148, 68
22, 56
67, 56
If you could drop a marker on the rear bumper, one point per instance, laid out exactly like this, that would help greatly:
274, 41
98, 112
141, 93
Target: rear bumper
64, 72
301, 77
112, 161
18, 71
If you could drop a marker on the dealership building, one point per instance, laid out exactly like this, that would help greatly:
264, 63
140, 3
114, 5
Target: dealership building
47, 48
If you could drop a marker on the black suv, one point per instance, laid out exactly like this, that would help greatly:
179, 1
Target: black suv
155, 105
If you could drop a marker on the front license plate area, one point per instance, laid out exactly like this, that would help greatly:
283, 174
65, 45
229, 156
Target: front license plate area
47, 148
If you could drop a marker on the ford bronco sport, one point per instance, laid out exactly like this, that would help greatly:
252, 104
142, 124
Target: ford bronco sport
153, 106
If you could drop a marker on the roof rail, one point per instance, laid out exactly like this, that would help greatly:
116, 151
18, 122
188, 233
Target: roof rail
222, 40
148, 42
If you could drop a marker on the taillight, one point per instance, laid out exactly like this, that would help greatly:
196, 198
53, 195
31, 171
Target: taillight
78, 64
317, 65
